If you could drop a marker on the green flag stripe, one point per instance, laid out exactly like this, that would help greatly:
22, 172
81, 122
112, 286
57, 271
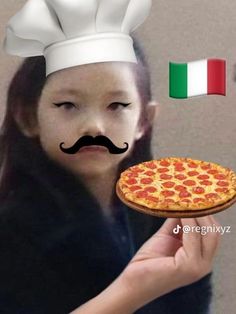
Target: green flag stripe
178, 80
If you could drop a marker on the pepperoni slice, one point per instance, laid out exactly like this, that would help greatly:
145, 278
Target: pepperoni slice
211, 195
131, 174
152, 198
222, 190
179, 168
164, 163
193, 173
180, 188
137, 169
150, 189
213, 171
206, 167
192, 165
141, 194
169, 200
203, 177
189, 182
168, 184
220, 176
149, 173
161, 170
198, 200
165, 176
206, 182
135, 188
222, 183
168, 193
178, 164
131, 181
146, 180
180, 176
184, 194
151, 165
186, 200
198, 190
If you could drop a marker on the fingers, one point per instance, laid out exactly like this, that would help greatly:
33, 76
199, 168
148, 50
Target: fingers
210, 239
192, 241
201, 241
164, 241
196, 244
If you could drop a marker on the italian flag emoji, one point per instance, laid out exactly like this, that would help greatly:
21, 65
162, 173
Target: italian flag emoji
202, 77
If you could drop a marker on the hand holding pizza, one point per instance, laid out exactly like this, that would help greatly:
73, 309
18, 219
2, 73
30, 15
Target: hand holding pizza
168, 261
165, 262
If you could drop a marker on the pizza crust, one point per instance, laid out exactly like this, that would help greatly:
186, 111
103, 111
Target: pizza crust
175, 213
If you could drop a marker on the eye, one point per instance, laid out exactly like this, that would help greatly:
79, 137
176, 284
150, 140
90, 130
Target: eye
118, 105
66, 104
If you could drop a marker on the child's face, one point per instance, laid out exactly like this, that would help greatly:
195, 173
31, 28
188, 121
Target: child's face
92, 102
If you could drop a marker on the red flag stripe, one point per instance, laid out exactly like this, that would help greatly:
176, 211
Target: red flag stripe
216, 77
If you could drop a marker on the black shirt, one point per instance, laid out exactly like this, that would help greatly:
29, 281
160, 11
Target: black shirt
57, 250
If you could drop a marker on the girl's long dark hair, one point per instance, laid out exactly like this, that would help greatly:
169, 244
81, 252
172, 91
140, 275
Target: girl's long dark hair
23, 95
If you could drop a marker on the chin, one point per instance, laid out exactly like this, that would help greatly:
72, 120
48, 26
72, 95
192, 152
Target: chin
90, 165
91, 169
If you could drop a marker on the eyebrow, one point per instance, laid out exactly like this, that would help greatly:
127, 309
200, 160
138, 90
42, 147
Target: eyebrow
117, 93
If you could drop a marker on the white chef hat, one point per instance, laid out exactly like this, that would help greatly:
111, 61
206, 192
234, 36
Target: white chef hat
75, 32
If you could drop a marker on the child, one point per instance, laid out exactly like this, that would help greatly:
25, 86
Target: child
66, 241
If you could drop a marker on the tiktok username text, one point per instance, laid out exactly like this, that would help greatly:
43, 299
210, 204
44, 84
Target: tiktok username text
203, 230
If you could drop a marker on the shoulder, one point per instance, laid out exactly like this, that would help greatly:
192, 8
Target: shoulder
21, 203
26, 226
24, 217
15, 212
15, 246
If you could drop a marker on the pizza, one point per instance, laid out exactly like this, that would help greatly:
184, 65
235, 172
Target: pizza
177, 184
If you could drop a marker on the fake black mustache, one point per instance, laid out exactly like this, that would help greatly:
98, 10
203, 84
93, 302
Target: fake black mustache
98, 140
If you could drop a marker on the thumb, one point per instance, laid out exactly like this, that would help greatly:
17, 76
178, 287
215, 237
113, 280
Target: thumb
168, 227
164, 242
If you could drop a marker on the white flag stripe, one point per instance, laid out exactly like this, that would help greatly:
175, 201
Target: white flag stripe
197, 78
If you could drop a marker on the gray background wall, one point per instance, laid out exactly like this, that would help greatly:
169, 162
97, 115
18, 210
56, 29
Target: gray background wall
201, 127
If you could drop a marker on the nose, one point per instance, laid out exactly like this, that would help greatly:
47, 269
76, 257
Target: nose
93, 125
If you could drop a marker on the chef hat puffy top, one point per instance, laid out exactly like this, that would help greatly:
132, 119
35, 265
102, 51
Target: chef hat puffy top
75, 32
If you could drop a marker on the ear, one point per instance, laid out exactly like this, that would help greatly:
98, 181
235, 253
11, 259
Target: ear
151, 116
153, 109
26, 119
